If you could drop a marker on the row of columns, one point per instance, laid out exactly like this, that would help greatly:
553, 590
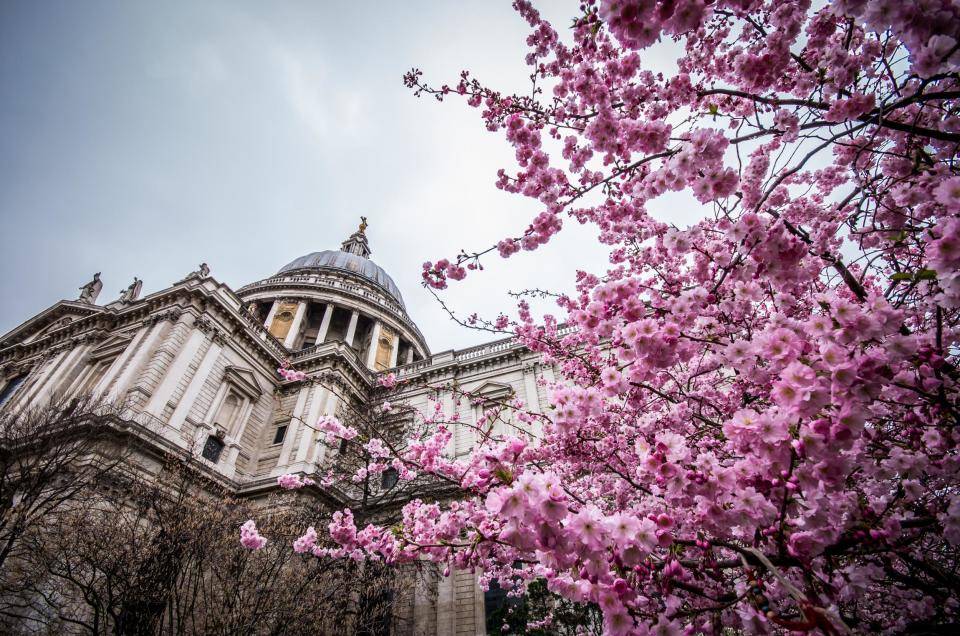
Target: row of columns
56, 371
177, 368
290, 339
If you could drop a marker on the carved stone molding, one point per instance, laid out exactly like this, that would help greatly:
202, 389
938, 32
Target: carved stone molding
171, 315
205, 325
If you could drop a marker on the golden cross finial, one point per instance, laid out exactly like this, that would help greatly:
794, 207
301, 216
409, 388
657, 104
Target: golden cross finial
363, 224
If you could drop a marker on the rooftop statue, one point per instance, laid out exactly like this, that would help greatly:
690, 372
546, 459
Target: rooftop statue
90, 291
132, 292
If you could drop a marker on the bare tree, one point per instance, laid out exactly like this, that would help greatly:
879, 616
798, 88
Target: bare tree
159, 554
48, 455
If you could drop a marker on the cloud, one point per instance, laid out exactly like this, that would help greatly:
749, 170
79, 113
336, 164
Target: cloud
305, 87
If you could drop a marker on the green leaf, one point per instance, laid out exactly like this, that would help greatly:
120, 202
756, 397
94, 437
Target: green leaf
901, 276
926, 274
713, 109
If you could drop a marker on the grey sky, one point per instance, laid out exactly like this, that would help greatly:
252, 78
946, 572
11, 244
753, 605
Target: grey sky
140, 138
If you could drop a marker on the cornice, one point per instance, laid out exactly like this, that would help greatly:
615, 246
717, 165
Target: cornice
166, 305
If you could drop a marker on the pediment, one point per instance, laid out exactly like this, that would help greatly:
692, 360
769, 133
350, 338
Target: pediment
48, 321
492, 390
111, 347
244, 380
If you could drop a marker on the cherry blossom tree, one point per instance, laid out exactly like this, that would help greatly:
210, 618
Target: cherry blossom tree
757, 423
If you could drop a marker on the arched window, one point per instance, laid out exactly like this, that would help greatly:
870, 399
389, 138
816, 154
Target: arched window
228, 412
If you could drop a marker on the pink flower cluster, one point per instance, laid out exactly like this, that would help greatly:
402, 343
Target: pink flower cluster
334, 429
753, 427
291, 375
292, 481
250, 537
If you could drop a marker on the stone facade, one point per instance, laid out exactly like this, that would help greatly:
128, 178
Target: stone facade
197, 362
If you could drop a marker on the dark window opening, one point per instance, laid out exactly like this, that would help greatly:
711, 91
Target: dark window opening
212, 449
344, 445
404, 352
311, 324
496, 605
10, 388
363, 335
339, 324
280, 434
261, 309
389, 479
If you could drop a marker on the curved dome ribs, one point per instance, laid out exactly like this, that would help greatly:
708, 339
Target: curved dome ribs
338, 296
347, 262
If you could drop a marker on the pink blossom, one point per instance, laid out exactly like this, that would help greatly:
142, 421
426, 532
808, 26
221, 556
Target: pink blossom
292, 481
249, 537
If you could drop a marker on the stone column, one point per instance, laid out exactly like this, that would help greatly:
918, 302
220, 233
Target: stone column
318, 400
287, 448
479, 608
228, 459
325, 323
548, 373
175, 372
425, 600
114, 369
329, 409
195, 386
451, 448
396, 350
409, 355
446, 606
530, 384
50, 386
270, 314
43, 374
294, 332
145, 350
352, 329
374, 345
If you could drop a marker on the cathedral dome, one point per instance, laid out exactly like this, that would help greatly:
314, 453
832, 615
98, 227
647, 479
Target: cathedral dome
347, 262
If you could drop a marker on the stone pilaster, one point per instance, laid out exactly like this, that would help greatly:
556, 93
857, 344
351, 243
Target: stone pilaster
118, 363
317, 401
292, 429
195, 386
182, 357
49, 388
140, 355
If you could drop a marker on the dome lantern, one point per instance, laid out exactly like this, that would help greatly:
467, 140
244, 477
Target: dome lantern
357, 243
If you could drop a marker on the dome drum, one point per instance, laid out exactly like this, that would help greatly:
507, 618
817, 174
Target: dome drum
346, 262
338, 295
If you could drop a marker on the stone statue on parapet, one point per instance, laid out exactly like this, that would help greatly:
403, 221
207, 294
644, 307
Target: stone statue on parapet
363, 224
90, 291
132, 292
203, 272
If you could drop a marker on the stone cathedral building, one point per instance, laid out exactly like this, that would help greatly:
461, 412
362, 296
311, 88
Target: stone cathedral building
198, 363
